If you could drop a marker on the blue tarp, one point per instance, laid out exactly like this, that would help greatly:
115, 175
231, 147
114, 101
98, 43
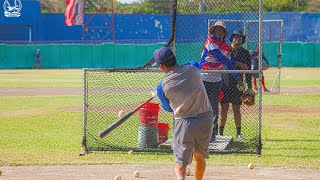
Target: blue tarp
133, 28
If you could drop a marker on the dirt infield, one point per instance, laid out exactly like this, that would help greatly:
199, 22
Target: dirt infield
161, 172
9, 92
300, 90
39, 91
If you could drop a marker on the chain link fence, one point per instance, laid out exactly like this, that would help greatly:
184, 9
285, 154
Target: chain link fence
111, 93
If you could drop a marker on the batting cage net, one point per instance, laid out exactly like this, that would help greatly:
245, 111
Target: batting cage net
110, 94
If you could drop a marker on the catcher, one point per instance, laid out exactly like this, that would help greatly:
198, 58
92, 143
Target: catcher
233, 87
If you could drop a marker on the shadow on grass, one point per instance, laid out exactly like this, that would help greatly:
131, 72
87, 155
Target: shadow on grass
294, 140
287, 148
293, 156
292, 148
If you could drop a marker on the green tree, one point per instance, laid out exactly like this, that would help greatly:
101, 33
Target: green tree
154, 7
313, 6
185, 6
284, 5
52, 6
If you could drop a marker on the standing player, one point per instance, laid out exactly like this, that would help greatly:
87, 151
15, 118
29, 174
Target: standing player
182, 92
232, 93
255, 66
38, 57
216, 56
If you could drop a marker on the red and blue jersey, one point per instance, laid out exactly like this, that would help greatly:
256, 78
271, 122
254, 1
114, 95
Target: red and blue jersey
215, 56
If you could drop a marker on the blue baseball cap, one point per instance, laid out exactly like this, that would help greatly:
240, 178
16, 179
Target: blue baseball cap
163, 55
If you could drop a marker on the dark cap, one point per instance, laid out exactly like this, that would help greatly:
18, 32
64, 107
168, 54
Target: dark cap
163, 55
239, 33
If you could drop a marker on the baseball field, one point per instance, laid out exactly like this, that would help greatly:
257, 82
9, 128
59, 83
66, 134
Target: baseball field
41, 132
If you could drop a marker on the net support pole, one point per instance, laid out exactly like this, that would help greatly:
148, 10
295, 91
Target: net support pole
280, 53
245, 32
259, 146
84, 114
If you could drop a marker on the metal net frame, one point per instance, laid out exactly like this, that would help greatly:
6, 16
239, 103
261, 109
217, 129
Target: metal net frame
109, 93
273, 36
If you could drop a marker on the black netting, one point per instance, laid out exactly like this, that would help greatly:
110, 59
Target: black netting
110, 94
192, 32
111, 91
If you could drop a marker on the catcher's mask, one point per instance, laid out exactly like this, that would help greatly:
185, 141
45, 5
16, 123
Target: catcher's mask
248, 98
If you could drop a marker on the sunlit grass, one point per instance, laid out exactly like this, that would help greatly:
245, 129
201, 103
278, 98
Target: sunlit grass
46, 130
292, 100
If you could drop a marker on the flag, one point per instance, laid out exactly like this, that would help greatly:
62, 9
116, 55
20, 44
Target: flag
74, 12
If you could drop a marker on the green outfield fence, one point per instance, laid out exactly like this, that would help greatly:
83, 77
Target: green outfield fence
132, 55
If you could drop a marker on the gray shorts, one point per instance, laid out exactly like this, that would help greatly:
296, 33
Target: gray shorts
192, 134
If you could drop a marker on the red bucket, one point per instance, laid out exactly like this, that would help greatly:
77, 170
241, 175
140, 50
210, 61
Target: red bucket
163, 132
149, 115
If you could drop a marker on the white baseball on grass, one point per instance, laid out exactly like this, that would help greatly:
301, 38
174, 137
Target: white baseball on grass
117, 178
120, 113
250, 166
130, 152
136, 174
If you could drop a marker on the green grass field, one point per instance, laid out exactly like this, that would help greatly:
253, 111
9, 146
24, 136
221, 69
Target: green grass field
46, 130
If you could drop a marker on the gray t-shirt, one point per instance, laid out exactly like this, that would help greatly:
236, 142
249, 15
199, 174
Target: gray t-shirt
184, 89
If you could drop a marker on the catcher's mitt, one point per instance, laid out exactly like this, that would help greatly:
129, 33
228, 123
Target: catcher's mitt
248, 97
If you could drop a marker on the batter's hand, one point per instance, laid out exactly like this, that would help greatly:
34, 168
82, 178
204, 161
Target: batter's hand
242, 66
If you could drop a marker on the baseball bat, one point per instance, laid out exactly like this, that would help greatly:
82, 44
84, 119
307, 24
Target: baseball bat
116, 124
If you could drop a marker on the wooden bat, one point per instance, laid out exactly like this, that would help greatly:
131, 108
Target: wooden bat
114, 125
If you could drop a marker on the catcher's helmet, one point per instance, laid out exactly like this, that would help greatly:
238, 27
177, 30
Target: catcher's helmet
248, 98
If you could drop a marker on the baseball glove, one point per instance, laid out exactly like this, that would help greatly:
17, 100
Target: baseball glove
248, 97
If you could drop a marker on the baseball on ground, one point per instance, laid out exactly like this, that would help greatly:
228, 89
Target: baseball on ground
136, 174
250, 166
117, 178
120, 113
130, 152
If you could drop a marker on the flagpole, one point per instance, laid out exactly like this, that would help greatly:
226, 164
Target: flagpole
112, 10
84, 20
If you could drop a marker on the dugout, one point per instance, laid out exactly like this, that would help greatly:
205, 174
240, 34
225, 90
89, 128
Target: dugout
19, 20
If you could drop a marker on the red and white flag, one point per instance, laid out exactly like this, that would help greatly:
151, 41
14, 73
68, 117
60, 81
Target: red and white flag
74, 12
